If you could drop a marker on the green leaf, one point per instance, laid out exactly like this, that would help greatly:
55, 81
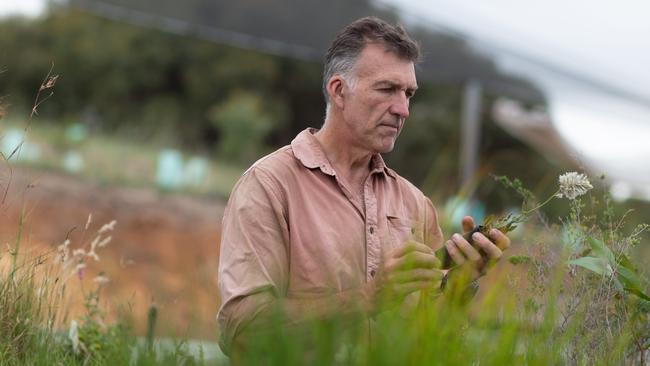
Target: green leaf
624, 261
601, 250
631, 282
628, 278
596, 265
638, 293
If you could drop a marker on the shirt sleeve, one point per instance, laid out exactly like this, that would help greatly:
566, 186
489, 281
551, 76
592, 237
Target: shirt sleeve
253, 263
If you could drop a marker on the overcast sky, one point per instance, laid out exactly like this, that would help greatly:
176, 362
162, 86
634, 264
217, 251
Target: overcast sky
27, 7
604, 40
609, 40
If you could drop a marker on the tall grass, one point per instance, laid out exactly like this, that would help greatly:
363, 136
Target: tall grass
496, 328
35, 326
30, 299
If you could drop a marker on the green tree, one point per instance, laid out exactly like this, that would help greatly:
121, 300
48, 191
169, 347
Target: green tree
243, 123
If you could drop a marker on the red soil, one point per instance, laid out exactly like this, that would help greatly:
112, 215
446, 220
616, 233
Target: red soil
164, 248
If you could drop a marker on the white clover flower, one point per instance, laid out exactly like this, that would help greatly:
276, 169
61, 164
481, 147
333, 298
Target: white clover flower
573, 185
73, 335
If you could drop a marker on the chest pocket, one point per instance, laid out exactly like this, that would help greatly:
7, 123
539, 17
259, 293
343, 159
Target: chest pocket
402, 230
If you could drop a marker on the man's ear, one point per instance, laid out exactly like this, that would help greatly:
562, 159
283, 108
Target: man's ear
335, 90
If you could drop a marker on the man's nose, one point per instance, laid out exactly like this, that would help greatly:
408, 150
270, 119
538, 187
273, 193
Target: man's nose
400, 106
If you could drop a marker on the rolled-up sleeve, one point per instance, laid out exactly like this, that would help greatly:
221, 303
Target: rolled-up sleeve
253, 263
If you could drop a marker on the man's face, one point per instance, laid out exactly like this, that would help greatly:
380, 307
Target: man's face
376, 106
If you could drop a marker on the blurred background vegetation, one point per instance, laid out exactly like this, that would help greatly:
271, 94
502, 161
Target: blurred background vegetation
145, 85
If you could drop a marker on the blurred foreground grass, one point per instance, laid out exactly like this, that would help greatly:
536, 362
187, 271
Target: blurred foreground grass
502, 326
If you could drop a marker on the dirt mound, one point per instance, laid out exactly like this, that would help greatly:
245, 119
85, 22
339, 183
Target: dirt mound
164, 247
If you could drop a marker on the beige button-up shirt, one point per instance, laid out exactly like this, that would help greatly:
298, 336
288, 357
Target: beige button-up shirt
292, 228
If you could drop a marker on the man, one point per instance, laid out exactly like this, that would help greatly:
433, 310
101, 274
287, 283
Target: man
322, 227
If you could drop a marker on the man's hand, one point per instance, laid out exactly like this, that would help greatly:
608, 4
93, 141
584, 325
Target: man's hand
468, 256
406, 269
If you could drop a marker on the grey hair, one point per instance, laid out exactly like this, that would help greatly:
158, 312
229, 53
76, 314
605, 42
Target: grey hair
343, 66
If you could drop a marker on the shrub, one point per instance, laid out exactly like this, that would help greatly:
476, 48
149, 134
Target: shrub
243, 124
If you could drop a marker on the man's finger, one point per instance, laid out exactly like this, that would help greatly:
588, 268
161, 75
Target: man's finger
467, 224
454, 252
492, 251
500, 239
466, 248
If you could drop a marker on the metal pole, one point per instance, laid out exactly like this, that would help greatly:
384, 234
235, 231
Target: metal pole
470, 131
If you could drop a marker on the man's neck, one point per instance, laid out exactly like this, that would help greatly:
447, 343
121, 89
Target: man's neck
350, 161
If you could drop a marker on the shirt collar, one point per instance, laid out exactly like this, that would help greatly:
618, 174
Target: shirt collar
310, 153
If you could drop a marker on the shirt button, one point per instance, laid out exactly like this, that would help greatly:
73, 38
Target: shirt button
372, 273
372, 230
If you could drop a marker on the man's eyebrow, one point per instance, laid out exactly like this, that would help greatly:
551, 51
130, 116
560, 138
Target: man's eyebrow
392, 84
386, 83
